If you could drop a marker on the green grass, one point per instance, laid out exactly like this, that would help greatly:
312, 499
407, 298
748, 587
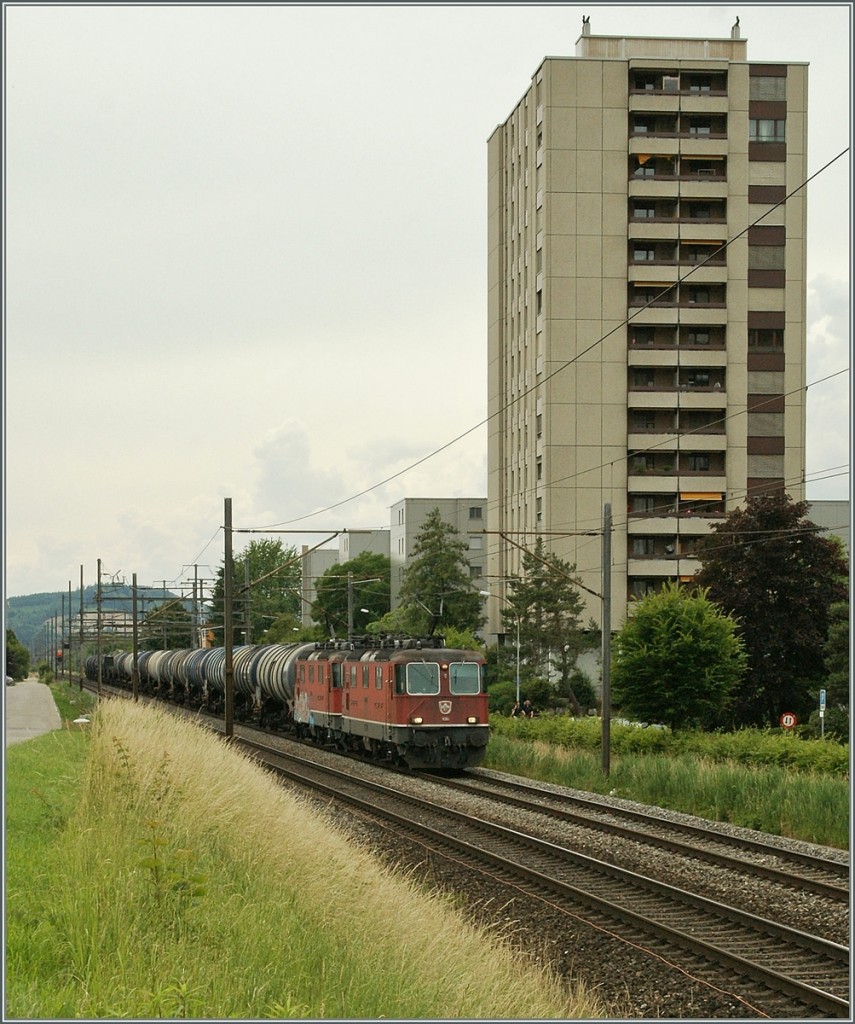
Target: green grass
755, 785
157, 873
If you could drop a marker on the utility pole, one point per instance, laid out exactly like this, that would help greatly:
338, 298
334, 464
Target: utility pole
248, 633
228, 569
350, 606
98, 623
135, 666
607, 635
195, 619
69, 633
80, 652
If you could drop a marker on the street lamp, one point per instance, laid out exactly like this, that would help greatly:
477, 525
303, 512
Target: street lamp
486, 593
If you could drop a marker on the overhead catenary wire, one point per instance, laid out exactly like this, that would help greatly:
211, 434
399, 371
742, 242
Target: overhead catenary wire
508, 404
524, 393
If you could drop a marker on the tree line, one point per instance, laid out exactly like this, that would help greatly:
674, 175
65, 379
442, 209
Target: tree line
762, 627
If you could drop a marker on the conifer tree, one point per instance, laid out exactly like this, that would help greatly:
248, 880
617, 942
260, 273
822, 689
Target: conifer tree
437, 587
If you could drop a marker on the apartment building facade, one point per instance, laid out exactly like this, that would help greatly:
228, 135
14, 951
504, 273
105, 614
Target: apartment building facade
647, 295
468, 516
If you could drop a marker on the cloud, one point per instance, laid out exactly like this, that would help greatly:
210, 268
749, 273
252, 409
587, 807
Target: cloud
828, 401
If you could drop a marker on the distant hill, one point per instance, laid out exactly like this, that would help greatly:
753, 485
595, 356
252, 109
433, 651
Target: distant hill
27, 615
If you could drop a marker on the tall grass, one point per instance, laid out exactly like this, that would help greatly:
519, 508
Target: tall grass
812, 806
185, 883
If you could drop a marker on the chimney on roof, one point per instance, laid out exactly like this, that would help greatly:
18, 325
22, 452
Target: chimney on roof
586, 24
734, 32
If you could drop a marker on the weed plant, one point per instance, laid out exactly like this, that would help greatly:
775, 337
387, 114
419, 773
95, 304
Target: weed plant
165, 875
755, 747
771, 797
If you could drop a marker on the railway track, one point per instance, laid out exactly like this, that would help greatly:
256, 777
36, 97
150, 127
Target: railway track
746, 964
804, 872
770, 968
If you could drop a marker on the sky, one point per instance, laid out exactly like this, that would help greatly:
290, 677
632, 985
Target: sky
246, 258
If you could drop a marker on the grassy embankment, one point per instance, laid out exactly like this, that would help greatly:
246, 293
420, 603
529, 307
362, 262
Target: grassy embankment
763, 780
154, 873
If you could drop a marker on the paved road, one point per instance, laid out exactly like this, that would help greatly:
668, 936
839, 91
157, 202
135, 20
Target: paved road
30, 711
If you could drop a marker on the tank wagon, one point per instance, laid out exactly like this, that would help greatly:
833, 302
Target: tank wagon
408, 701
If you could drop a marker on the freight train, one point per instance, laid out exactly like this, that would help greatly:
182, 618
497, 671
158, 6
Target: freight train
410, 702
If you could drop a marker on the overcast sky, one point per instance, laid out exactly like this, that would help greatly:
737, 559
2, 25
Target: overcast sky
246, 258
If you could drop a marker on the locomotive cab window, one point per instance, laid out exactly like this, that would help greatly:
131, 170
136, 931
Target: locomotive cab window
423, 678
464, 678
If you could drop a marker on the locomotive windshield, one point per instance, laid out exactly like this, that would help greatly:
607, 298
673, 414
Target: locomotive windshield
464, 677
423, 677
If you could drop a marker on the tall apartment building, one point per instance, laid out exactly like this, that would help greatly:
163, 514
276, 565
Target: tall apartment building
646, 336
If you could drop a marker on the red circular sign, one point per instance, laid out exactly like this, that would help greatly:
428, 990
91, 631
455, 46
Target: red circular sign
788, 720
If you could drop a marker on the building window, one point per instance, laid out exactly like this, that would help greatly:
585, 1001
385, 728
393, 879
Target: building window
700, 295
642, 463
766, 257
644, 211
642, 377
766, 340
699, 211
767, 87
643, 335
699, 463
476, 543
475, 571
763, 129
642, 546
698, 84
642, 419
641, 587
475, 512
641, 254
699, 128
645, 82
699, 337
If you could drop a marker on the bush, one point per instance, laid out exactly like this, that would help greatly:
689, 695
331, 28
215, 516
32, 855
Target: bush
753, 748
583, 688
836, 725
501, 697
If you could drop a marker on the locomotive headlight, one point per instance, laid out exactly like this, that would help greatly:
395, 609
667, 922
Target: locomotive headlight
416, 721
472, 720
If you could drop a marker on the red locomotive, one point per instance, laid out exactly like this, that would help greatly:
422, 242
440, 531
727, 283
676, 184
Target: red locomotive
411, 701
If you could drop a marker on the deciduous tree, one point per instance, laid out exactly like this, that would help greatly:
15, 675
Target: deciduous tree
167, 627
836, 655
768, 567
274, 573
17, 657
676, 659
368, 578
